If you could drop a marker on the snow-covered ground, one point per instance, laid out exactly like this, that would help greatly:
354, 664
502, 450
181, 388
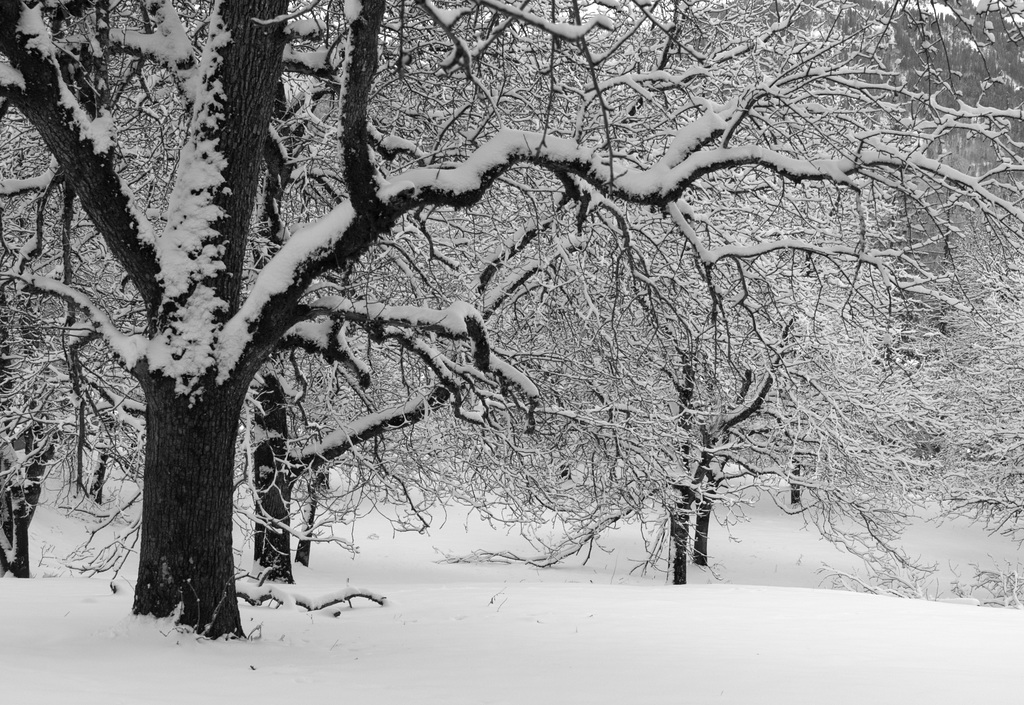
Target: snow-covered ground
755, 630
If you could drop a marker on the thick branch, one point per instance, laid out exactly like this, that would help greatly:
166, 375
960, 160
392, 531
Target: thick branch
83, 147
327, 338
369, 427
358, 72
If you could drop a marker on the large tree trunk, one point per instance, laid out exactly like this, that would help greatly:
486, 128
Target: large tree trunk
186, 562
273, 485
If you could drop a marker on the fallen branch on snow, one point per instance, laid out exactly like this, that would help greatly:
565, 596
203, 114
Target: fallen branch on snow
257, 595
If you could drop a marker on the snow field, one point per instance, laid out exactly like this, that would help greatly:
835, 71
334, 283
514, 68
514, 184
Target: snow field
497, 633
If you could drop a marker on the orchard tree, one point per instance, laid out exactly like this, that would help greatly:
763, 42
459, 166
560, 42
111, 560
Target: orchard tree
197, 137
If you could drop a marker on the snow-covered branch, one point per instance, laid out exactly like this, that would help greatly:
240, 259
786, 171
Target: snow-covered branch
82, 146
128, 348
460, 321
14, 187
257, 595
341, 440
326, 337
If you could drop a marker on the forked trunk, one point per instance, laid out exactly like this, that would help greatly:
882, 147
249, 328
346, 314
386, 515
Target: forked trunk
186, 561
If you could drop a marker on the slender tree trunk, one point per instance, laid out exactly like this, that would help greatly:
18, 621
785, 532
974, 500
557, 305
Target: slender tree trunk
317, 484
794, 488
679, 533
18, 504
96, 486
186, 562
15, 523
700, 537
705, 505
698, 504
273, 485
13, 554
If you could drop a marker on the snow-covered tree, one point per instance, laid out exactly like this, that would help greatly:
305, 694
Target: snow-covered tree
246, 163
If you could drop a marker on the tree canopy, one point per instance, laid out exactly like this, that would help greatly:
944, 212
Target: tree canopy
625, 220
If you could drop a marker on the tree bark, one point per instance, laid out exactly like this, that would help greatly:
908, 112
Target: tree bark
679, 533
186, 563
272, 551
18, 504
317, 484
794, 489
700, 538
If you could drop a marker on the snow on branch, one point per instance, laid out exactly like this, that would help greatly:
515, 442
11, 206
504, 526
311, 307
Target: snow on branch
311, 63
257, 595
564, 30
657, 185
390, 145
303, 251
11, 77
371, 426
128, 348
14, 187
80, 144
168, 44
711, 256
326, 337
36, 43
460, 321
458, 378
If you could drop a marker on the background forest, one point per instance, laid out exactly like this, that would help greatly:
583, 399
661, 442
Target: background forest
268, 270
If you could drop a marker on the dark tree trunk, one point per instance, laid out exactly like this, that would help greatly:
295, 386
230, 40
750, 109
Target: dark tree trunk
704, 504
794, 488
273, 485
316, 485
679, 533
96, 486
699, 504
700, 538
18, 504
15, 527
185, 560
